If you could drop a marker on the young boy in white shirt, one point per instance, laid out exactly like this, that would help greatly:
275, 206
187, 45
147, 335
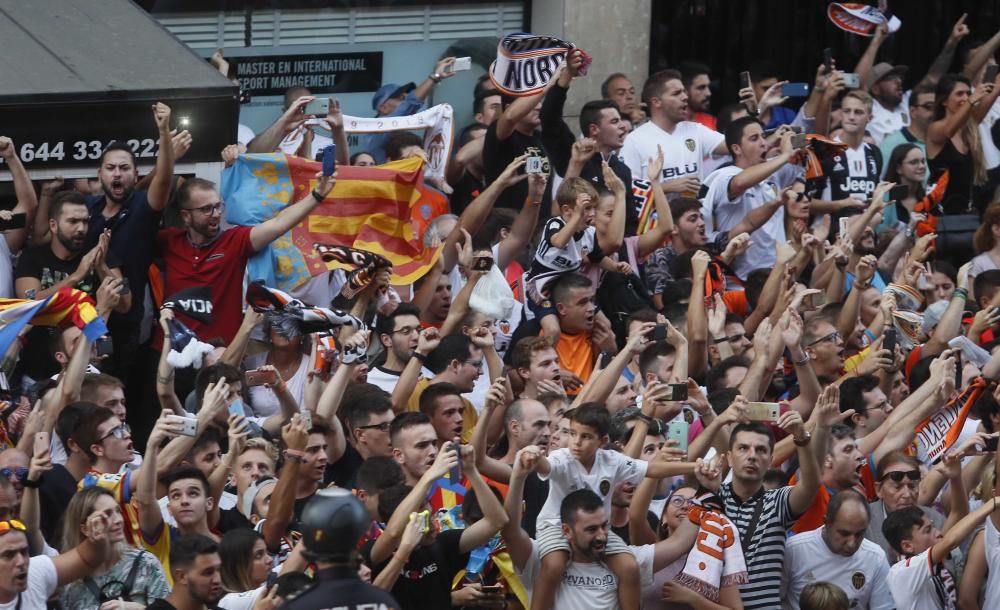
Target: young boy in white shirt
584, 465
920, 581
566, 240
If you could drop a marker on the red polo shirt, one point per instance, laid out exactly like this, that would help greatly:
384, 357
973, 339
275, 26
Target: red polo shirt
219, 264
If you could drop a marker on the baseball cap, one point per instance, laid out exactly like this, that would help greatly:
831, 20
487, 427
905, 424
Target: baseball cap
250, 493
884, 70
390, 91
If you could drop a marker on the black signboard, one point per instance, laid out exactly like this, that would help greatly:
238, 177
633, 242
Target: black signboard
324, 73
74, 134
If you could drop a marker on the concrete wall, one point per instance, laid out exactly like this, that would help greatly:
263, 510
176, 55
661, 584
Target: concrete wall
615, 33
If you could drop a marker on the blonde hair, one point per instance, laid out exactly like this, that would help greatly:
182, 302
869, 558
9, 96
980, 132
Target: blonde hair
823, 596
81, 506
861, 96
573, 187
261, 444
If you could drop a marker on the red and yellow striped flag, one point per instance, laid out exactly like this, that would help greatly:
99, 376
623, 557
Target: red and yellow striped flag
370, 208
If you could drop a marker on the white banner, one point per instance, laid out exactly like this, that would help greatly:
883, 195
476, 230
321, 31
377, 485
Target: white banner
861, 19
437, 123
525, 63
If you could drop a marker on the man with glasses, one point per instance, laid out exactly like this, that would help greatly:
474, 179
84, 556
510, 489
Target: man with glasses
825, 347
205, 254
14, 468
898, 486
398, 333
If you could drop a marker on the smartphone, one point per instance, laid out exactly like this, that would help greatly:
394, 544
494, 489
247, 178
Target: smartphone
744, 80
799, 141
236, 409
991, 444
189, 427
329, 160
455, 474
991, 75
461, 64
124, 287
105, 347
889, 340
763, 411
678, 391
828, 59
318, 107
259, 377
533, 165
898, 193
41, 443
958, 371
770, 132
606, 358
659, 333
843, 224
17, 221
677, 431
795, 90
307, 418
492, 589
482, 263
851, 80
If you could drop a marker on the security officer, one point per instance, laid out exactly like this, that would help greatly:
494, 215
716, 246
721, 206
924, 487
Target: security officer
332, 523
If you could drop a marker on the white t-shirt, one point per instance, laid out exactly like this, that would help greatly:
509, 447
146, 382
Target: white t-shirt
918, 585
862, 576
263, 400
42, 583
684, 150
722, 213
293, 140
992, 543
991, 154
227, 501
568, 475
241, 601
588, 586
885, 121
244, 135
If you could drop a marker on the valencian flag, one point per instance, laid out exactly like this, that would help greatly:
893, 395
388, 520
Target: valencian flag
67, 306
375, 209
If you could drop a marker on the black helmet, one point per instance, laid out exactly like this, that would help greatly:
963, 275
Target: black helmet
332, 523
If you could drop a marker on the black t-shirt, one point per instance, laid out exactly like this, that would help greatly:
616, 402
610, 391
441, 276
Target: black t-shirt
340, 587
344, 471
465, 190
232, 519
536, 491
57, 489
41, 263
426, 578
162, 604
497, 155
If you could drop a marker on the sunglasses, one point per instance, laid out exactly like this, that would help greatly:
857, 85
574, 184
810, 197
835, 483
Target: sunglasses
20, 473
897, 476
13, 524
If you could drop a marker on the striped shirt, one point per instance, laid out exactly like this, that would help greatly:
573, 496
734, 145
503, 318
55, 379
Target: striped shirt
765, 552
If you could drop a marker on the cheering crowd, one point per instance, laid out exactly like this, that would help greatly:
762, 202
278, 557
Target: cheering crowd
672, 356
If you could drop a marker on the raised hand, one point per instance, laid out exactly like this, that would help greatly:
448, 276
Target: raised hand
294, 433
583, 149
161, 115
7, 150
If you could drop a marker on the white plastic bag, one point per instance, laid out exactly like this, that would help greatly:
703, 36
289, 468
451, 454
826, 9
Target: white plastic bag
492, 295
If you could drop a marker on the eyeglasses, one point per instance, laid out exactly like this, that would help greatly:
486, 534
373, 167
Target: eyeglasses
20, 473
383, 427
120, 431
209, 209
476, 363
831, 337
13, 524
679, 501
897, 476
406, 330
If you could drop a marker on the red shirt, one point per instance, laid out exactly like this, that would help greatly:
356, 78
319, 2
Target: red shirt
219, 264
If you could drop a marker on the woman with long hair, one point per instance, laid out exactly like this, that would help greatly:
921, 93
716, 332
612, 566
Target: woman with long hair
953, 137
131, 576
907, 166
246, 562
987, 241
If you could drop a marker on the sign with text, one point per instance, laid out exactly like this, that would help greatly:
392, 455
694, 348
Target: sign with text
327, 73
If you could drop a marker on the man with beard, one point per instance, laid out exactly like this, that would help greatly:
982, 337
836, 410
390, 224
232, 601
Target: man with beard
838, 553
133, 217
398, 332
195, 568
747, 195
698, 81
600, 121
203, 254
64, 262
685, 143
885, 81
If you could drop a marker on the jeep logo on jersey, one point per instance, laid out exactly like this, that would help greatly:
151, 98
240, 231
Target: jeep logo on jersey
858, 185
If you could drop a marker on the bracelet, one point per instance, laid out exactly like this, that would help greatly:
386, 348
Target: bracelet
317, 196
32, 484
421, 357
434, 76
803, 361
961, 292
863, 286
805, 440
295, 455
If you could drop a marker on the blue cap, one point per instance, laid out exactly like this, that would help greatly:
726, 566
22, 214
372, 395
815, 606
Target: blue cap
389, 91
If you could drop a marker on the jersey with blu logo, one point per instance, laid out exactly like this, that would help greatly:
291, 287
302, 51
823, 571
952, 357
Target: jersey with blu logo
683, 150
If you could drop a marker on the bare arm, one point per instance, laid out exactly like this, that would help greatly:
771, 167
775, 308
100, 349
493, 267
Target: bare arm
165, 373
159, 185
268, 140
516, 111
494, 516
263, 234
282, 507
23, 190
867, 61
237, 348
611, 239
943, 60
518, 541
524, 224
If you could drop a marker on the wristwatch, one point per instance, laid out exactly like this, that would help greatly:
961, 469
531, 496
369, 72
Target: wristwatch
435, 76
804, 441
